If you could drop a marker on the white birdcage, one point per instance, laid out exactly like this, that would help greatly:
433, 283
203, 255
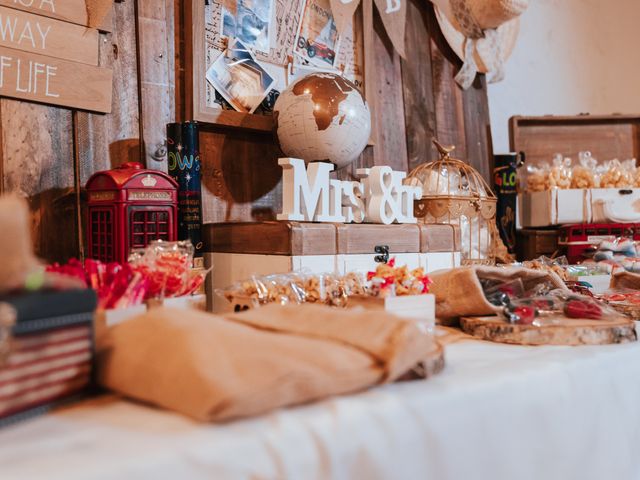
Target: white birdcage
455, 193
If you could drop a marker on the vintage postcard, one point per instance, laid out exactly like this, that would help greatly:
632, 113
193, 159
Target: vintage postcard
317, 39
248, 21
242, 81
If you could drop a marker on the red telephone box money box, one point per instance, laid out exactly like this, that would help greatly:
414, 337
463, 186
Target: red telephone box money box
128, 207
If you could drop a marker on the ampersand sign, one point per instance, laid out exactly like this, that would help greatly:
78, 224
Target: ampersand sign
383, 202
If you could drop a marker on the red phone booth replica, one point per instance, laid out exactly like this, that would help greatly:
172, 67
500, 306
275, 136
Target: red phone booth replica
128, 207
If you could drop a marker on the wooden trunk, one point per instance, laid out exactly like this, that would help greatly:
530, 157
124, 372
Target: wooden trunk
305, 238
238, 250
607, 137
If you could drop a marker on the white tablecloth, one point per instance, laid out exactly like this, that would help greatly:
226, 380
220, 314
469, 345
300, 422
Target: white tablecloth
496, 412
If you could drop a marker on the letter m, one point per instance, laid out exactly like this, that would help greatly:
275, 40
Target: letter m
305, 193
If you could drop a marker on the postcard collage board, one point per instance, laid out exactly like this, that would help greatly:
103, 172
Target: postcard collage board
255, 48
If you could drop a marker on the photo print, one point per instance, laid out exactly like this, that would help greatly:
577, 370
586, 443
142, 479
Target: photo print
248, 21
239, 78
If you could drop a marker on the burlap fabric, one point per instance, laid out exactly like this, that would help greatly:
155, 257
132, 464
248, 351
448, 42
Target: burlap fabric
16, 250
625, 279
459, 292
214, 369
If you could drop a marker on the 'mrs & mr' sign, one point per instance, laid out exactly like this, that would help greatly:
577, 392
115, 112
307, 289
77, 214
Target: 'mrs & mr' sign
309, 194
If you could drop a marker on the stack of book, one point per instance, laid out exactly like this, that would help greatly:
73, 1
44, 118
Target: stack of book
51, 352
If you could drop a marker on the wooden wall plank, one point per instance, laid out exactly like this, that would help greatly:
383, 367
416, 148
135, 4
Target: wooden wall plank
37, 154
447, 94
365, 10
106, 141
390, 142
179, 32
47, 36
417, 83
74, 11
172, 10
478, 128
156, 68
39, 78
68, 10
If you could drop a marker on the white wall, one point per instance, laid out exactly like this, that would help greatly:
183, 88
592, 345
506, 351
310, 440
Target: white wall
572, 56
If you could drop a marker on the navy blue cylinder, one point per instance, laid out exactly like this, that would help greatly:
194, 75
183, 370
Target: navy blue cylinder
505, 178
183, 150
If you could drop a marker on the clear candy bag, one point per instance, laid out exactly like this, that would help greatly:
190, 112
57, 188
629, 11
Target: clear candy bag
330, 289
537, 177
584, 174
167, 266
615, 176
544, 304
556, 265
560, 173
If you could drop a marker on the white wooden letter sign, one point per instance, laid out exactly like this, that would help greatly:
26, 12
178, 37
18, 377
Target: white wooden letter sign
308, 194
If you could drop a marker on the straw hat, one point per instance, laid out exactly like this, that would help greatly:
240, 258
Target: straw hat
482, 33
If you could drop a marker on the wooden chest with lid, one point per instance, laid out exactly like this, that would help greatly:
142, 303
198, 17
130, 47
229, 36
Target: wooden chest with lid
607, 137
238, 250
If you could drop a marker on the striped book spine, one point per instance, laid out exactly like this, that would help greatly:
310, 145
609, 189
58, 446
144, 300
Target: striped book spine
45, 367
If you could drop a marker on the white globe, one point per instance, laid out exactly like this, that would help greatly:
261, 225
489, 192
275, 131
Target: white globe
322, 117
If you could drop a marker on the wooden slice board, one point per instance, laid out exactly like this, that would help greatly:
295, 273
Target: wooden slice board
558, 331
630, 310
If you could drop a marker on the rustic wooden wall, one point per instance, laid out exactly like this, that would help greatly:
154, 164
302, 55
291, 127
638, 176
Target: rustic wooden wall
48, 153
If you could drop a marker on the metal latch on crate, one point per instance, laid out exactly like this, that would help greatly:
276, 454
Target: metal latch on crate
383, 253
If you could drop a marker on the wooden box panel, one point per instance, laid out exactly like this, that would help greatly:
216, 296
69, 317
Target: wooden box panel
533, 243
271, 238
301, 238
363, 238
439, 238
605, 136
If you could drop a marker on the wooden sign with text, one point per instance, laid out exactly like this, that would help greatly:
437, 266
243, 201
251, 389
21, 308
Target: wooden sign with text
74, 11
38, 34
39, 78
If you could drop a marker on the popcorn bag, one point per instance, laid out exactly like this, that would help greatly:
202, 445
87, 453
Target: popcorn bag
560, 173
537, 177
388, 280
584, 174
615, 175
